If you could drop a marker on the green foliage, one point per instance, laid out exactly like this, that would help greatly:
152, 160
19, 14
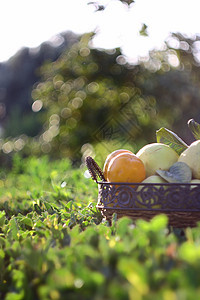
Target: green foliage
54, 244
94, 101
90, 96
100, 7
195, 128
173, 80
143, 30
168, 137
17, 77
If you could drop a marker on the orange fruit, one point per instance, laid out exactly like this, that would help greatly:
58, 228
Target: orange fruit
110, 157
126, 167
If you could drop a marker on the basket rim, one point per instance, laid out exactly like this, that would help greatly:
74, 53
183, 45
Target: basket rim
156, 210
150, 183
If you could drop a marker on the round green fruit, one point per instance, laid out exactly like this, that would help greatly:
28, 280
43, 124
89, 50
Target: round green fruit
157, 156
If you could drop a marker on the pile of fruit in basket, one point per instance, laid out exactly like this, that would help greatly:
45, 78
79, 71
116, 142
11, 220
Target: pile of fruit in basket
169, 159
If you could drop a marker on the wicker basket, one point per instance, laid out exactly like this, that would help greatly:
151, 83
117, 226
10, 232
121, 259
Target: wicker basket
180, 202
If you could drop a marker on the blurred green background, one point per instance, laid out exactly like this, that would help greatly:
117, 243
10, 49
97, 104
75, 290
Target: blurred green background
74, 100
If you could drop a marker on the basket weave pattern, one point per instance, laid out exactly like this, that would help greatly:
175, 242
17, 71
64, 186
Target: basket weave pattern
180, 202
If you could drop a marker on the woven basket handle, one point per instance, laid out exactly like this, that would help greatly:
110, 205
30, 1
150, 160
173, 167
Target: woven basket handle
94, 169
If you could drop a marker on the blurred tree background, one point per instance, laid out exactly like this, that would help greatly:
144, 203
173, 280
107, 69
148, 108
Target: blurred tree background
68, 99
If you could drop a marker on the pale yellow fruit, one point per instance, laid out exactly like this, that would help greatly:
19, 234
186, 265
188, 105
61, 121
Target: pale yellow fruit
191, 156
157, 156
194, 181
150, 179
153, 179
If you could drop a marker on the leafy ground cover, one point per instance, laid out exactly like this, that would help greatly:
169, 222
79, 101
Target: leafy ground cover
55, 245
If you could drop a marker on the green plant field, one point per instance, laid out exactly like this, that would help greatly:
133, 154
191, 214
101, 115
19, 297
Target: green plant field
55, 245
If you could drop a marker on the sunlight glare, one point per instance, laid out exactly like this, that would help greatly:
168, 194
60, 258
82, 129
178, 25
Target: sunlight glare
117, 26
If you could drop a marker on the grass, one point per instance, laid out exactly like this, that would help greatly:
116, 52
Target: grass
55, 245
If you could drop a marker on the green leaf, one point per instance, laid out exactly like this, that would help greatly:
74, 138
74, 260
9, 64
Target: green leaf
27, 221
190, 252
168, 137
143, 30
13, 228
2, 218
123, 226
195, 128
159, 222
2, 241
48, 208
37, 209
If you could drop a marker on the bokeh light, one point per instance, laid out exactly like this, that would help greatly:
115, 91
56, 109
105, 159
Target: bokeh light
37, 106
